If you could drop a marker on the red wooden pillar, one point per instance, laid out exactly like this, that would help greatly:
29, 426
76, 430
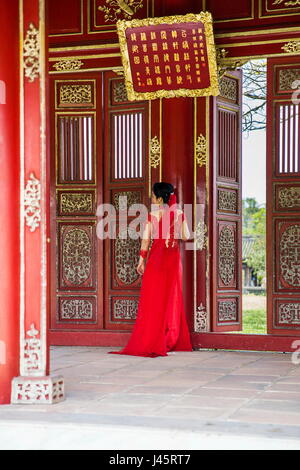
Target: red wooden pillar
33, 385
177, 168
182, 121
9, 200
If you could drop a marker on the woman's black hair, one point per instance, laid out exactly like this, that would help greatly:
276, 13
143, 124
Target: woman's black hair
163, 190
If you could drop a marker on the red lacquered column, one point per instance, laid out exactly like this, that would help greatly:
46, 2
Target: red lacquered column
32, 383
184, 120
9, 196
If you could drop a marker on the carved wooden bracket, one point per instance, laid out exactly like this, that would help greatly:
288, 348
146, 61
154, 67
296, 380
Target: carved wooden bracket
225, 64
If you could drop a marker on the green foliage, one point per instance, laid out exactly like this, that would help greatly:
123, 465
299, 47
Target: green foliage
250, 207
254, 322
254, 224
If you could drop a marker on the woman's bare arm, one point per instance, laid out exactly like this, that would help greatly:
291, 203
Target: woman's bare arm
146, 238
184, 229
185, 233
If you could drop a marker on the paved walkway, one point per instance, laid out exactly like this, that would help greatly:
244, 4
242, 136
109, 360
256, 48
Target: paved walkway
188, 400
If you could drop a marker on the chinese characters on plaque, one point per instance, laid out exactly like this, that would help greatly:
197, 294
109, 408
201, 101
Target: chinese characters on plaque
168, 57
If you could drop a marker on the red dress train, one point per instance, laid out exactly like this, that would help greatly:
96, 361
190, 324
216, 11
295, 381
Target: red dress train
161, 324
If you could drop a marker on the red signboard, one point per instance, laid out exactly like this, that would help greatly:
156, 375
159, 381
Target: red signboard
168, 57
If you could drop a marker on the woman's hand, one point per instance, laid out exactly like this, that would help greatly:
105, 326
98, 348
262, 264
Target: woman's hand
141, 267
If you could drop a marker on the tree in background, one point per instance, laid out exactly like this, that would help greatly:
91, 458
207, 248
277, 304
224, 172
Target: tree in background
250, 207
254, 95
254, 224
254, 118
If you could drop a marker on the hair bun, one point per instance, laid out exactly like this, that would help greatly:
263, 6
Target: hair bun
171, 188
163, 190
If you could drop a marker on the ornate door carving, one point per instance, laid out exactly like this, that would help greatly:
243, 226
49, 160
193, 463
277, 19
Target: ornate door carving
126, 174
226, 196
283, 196
95, 285
76, 189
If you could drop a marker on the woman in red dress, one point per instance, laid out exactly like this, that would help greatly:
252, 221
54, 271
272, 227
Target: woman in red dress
161, 323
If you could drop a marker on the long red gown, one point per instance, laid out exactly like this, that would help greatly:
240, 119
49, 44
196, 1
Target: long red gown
161, 323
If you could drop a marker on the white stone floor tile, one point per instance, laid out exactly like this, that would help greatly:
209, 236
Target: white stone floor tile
200, 399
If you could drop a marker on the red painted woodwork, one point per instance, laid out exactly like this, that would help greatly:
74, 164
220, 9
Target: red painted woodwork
283, 208
177, 7
233, 11
9, 213
126, 173
172, 122
76, 190
102, 18
32, 164
155, 132
96, 338
34, 293
65, 17
83, 302
226, 268
241, 342
82, 21
177, 169
201, 276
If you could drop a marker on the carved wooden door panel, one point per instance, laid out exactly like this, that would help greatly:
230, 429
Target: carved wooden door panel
226, 292
283, 196
126, 174
76, 189
99, 152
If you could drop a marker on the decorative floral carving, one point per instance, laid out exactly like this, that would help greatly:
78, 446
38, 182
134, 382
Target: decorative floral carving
68, 65
289, 197
76, 254
125, 309
127, 256
37, 390
226, 254
155, 151
71, 203
229, 88
292, 47
132, 197
32, 197
31, 53
287, 3
200, 322
119, 92
119, 71
227, 310
289, 255
201, 150
75, 94
115, 9
221, 53
76, 309
227, 200
289, 313
32, 353
287, 77
201, 236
